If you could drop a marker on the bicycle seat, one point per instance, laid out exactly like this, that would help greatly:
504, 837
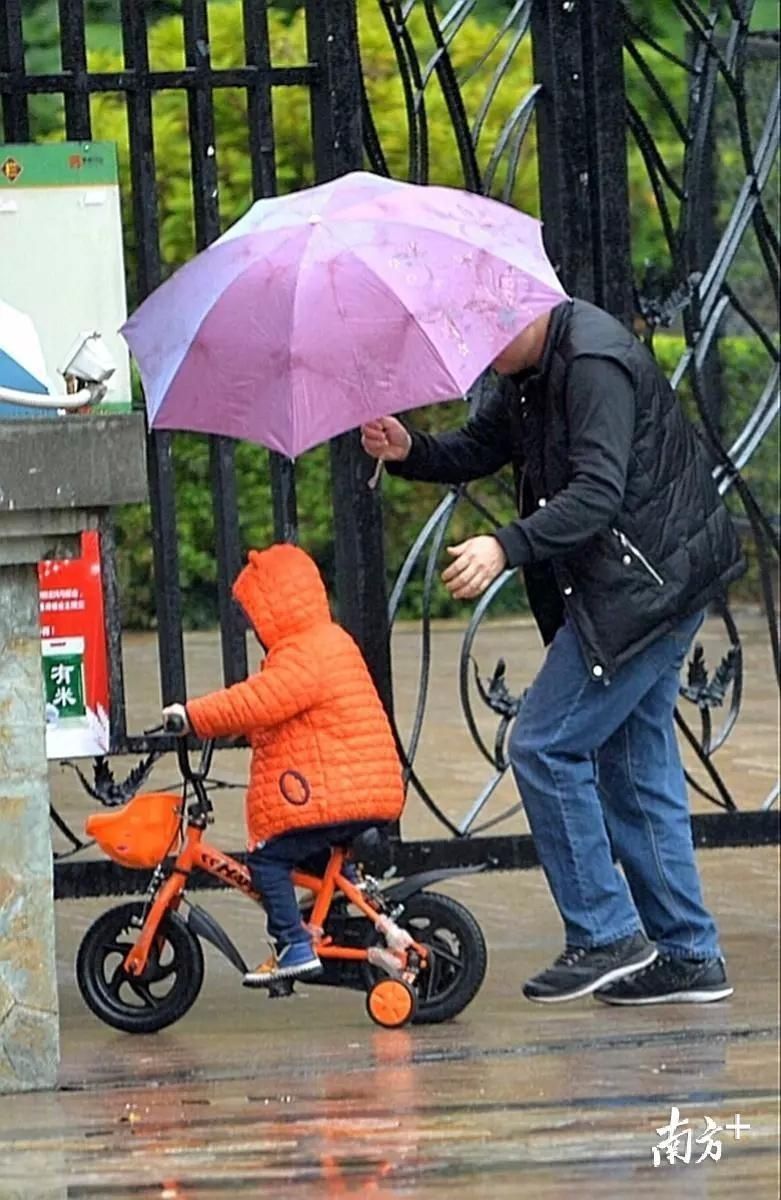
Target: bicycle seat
370, 847
367, 845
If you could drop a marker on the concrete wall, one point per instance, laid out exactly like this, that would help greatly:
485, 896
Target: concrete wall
29, 1048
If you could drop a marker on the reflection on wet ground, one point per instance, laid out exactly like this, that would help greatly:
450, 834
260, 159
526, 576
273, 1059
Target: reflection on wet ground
305, 1099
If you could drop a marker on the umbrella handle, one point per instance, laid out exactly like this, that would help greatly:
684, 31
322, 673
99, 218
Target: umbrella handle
376, 475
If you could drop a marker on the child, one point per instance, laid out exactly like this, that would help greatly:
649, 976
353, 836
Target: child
324, 762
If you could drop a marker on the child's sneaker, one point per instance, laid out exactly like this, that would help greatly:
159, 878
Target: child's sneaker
293, 961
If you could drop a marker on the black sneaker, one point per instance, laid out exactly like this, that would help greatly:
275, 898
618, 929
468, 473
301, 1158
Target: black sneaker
672, 981
578, 972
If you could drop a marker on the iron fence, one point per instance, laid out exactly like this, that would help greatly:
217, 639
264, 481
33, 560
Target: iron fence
604, 89
574, 109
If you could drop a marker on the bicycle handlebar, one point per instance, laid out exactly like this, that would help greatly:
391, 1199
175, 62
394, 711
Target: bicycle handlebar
174, 724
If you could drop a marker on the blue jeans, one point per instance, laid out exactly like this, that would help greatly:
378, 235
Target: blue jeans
600, 774
271, 865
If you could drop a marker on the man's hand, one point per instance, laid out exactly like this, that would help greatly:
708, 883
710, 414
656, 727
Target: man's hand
386, 440
477, 563
177, 710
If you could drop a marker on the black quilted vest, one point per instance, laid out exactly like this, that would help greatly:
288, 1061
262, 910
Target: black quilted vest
673, 547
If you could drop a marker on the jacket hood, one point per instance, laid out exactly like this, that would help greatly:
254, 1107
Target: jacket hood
282, 593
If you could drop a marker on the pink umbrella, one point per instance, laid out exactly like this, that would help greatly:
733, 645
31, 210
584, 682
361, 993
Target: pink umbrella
327, 308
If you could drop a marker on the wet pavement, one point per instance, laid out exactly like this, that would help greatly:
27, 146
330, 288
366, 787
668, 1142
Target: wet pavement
306, 1099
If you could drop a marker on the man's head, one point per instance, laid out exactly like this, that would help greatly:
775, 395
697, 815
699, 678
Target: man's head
525, 350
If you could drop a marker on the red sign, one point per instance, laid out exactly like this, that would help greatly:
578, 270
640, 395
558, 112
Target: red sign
73, 654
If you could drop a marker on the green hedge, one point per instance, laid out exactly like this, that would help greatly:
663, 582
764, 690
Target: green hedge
745, 366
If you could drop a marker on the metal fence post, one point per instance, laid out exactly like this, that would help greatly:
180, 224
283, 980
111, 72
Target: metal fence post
14, 107
581, 135
160, 462
332, 38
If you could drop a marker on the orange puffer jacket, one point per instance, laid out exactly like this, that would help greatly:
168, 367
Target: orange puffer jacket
322, 748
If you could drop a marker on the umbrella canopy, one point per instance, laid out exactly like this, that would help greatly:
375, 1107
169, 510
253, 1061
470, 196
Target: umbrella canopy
327, 308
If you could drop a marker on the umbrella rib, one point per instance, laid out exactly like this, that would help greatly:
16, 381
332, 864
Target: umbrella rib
299, 273
327, 226
351, 250
425, 226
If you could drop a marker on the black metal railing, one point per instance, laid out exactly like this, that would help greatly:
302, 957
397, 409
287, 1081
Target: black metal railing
598, 95
653, 161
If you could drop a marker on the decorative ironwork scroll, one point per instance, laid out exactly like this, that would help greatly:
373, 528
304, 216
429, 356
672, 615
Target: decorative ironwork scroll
702, 111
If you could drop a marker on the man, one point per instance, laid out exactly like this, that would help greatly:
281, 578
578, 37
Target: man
623, 541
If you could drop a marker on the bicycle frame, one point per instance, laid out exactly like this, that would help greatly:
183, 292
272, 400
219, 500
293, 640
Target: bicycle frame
196, 854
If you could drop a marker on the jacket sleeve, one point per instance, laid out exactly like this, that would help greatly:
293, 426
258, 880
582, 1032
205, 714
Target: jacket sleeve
600, 405
287, 686
480, 448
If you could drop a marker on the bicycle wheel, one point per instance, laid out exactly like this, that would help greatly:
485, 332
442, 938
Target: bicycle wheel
457, 956
146, 1003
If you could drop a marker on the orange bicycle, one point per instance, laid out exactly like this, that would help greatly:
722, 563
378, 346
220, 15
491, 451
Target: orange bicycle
419, 956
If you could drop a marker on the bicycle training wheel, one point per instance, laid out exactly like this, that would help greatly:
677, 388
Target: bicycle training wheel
457, 956
391, 1003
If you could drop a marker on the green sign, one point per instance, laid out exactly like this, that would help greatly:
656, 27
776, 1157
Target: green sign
58, 164
63, 677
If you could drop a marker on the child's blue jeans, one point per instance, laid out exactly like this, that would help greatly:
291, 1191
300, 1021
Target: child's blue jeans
271, 865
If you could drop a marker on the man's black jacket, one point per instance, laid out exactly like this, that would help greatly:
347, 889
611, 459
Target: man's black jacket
620, 521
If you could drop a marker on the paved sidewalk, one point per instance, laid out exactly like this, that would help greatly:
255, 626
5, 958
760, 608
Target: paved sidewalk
305, 1099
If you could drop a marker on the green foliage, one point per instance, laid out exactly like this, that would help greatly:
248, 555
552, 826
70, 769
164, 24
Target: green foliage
745, 367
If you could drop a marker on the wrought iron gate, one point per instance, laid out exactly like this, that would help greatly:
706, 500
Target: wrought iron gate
575, 105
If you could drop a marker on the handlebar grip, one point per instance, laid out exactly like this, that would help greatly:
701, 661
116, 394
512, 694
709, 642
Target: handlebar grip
173, 723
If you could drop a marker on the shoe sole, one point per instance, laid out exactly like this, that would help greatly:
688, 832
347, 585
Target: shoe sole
603, 981
670, 998
261, 981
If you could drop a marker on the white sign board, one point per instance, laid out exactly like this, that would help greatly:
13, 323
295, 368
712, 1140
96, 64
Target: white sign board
61, 257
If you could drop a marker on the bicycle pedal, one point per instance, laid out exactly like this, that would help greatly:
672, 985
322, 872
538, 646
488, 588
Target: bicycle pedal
281, 987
